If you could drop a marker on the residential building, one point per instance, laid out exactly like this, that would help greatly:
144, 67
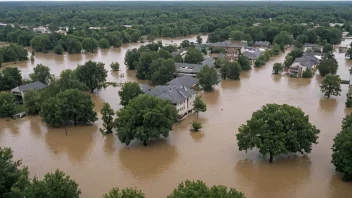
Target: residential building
178, 93
144, 87
193, 69
252, 54
21, 90
311, 47
262, 44
307, 62
41, 29
232, 47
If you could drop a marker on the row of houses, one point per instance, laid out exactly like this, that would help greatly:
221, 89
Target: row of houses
179, 92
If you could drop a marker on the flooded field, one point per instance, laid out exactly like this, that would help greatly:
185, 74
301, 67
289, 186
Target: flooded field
99, 163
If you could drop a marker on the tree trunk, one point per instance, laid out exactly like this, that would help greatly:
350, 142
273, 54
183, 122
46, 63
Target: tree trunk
75, 122
197, 114
271, 158
145, 143
329, 94
91, 90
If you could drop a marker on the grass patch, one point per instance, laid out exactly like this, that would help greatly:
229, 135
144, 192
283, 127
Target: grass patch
20, 108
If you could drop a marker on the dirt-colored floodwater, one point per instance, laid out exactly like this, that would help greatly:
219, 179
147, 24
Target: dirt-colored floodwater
99, 163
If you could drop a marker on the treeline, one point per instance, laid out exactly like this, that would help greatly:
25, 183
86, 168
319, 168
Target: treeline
15, 182
12, 53
228, 20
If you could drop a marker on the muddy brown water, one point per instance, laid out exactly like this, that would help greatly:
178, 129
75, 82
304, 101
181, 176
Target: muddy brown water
99, 163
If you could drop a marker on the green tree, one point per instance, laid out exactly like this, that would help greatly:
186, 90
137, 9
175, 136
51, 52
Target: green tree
199, 105
341, 149
196, 126
178, 58
41, 74
277, 67
185, 43
115, 66
283, 38
199, 40
40, 43
89, 44
108, 121
328, 66
236, 35
288, 61
193, 56
143, 67
32, 102
220, 62
164, 54
231, 70
278, 130
145, 117
198, 188
55, 184
129, 91
132, 58
69, 105
296, 52
331, 85
124, 193
92, 74
162, 71
244, 62
7, 104
207, 78
104, 43
13, 176
10, 78
275, 49
73, 46
327, 48
59, 49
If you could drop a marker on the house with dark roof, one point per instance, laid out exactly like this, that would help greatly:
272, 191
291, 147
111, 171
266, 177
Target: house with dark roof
144, 87
307, 62
193, 69
181, 96
311, 47
263, 44
252, 55
182, 81
21, 90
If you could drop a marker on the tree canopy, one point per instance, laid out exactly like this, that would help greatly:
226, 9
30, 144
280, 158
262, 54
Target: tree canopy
327, 66
199, 105
7, 104
207, 78
278, 130
145, 117
129, 91
92, 74
41, 74
124, 193
108, 121
10, 78
193, 56
331, 85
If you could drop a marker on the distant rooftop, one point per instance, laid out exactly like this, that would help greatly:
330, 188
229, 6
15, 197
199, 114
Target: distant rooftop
34, 85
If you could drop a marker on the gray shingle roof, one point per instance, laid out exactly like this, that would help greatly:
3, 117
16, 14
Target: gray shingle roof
34, 85
261, 43
252, 54
145, 87
208, 61
183, 81
188, 68
174, 94
310, 45
307, 60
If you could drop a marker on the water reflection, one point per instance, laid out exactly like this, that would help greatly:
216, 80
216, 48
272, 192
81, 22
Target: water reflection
263, 175
295, 83
76, 144
230, 84
328, 104
144, 163
338, 188
110, 143
276, 78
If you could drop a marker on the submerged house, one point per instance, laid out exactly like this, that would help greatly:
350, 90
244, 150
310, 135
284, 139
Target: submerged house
252, 54
21, 90
178, 92
311, 47
262, 44
193, 69
307, 62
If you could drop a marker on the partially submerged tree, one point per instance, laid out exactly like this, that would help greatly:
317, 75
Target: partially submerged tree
196, 126
193, 56
129, 91
124, 193
10, 78
278, 130
207, 78
198, 188
331, 85
32, 102
107, 117
7, 104
145, 117
244, 63
231, 70
327, 66
199, 105
115, 66
277, 67
199, 39
42, 74
92, 74
89, 44
342, 153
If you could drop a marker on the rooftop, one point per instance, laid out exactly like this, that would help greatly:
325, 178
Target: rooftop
261, 43
145, 87
174, 94
34, 85
183, 81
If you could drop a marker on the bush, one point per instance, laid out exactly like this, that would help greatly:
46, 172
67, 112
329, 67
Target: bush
307, 74
348, 101
115, 66
104, 43
196, 126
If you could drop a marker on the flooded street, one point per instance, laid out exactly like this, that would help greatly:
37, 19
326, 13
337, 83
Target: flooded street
99, 163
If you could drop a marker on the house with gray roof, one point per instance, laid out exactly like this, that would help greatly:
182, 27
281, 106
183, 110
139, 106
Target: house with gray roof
21, 90
263, 44
182, 81
310, 46
252, 55
191, 69
181, 96
307, 62
144, 87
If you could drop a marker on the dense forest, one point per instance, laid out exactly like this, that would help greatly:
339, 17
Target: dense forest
92, 25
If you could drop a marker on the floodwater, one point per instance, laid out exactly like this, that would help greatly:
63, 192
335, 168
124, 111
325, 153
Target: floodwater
99, 163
